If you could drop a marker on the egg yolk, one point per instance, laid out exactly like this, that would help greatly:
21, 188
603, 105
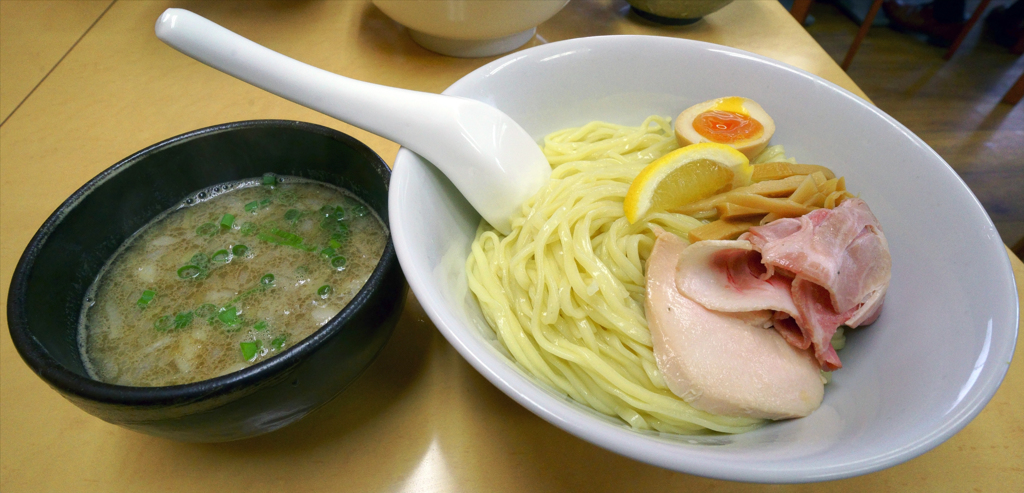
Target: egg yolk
726, 127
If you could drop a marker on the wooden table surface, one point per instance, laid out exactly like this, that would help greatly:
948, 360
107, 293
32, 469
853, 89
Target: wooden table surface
85, 84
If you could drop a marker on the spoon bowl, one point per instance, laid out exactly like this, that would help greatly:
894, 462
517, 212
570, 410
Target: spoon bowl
493, 162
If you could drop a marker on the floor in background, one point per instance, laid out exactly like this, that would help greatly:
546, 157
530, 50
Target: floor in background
953, 106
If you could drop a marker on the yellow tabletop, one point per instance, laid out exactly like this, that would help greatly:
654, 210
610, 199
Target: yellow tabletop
34, 36
420, 418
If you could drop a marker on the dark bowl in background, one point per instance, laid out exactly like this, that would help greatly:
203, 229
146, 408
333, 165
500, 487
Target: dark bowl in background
65, 255
676, 12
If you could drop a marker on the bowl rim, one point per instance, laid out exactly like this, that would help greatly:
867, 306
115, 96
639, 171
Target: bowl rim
69, 382
619, 439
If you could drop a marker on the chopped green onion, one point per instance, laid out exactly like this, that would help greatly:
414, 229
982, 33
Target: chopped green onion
359, 210
207, 311
278, 342
229, 315
324, 291
332, 223
328, 252
336, 213
146, 297
227, 220
839, 338
267, 279
269, 238
269, 179
251, 207
281, 237
338, 262
249, 228
163, 323
182, 320
189, 271
290, 238
261, 325
239, 250
339, 239
200, 260
285, 197
292, 215
221, 256
250, 349
206, 229
340, 236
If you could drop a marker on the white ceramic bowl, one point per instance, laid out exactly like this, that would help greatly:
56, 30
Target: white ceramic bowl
909, 381
470, 28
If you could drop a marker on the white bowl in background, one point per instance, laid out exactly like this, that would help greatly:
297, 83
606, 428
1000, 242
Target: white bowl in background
910, 381
470, 28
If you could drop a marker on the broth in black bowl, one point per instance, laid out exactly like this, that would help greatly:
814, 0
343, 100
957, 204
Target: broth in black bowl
72, 247
233, 275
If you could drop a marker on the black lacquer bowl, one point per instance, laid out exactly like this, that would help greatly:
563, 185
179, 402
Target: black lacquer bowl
68, 251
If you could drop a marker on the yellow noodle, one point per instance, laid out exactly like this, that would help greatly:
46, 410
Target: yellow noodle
564, 291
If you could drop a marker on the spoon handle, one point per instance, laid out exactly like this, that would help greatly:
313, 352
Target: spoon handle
385, 111
486, 155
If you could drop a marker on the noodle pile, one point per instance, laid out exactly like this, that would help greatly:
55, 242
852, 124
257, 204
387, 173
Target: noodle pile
564, 291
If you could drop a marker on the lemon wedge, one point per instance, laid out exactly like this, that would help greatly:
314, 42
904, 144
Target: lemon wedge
685, 175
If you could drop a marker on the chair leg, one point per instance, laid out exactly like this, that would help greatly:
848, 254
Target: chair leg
863, 31
967, 29
800, 9
1013, 96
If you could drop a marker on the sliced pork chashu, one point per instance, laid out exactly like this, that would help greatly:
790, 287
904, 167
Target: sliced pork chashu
724, 363
841, 265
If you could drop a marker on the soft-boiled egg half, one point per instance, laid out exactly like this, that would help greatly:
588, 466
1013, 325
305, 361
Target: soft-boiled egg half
737, 122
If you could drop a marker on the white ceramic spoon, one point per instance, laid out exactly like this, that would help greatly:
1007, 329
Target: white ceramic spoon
488, 156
